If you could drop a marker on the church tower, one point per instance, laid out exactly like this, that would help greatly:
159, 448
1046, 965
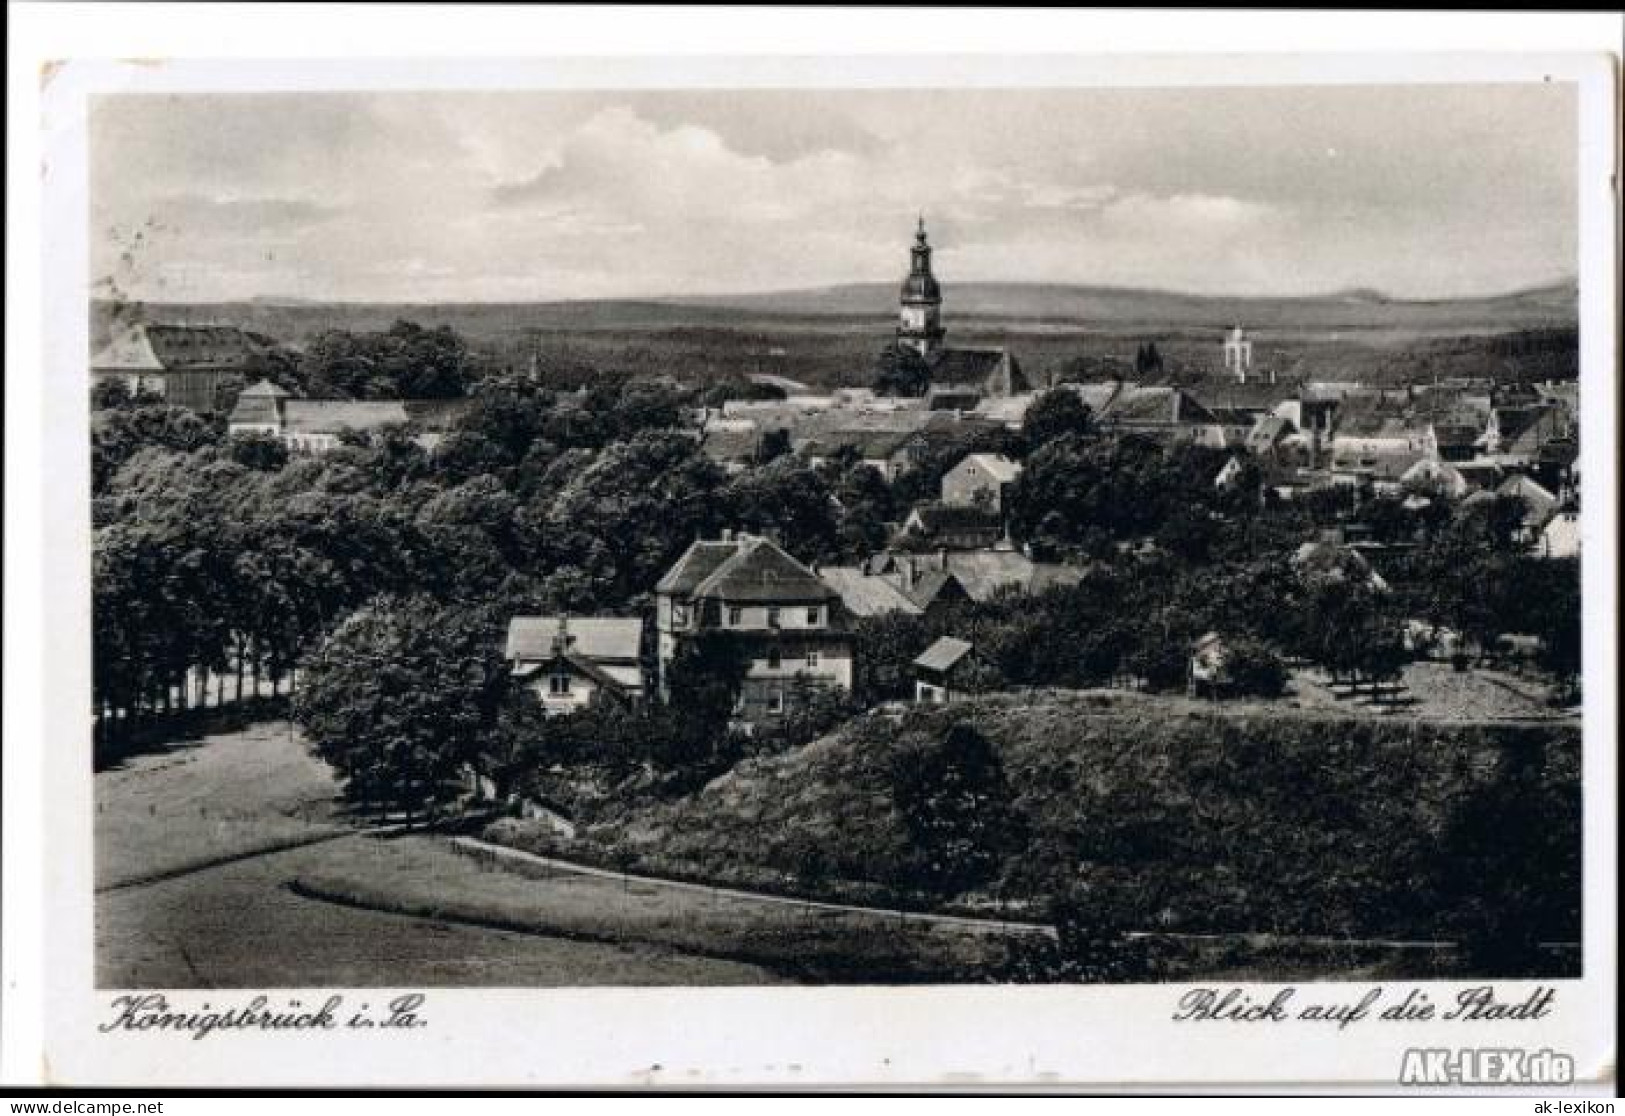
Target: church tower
919, 323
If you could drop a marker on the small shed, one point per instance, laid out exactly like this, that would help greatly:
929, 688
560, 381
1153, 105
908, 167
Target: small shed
940, 672
1210, 664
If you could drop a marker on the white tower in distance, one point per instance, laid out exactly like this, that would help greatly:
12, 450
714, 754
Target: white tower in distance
1238, 355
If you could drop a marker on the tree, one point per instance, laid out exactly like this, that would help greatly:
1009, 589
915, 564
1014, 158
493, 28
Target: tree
1559, 624
118, 435
1083, 494
884, 648
258, 450
108, 395
1254, 669
405, 361
774, 444
401, 697
703, 678
1504, 840
789, 502
901, 371
1054, 414
628, 512
956, 806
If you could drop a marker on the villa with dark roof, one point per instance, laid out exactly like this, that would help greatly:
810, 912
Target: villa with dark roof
186, 365
785, 619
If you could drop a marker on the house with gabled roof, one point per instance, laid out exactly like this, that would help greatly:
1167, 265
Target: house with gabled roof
942, 673
980, 575
1515, 435
784, 619
951, 527
319, 425
1560, 537
570, 662
865, 595
184, 364
980, 480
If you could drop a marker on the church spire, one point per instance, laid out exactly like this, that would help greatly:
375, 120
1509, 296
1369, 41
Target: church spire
920, 320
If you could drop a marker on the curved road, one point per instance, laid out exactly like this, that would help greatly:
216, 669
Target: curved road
172, 817
237, 925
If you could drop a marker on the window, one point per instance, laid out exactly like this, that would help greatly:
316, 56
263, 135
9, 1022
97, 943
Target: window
773, 659
736, 616
775, 702
559, 684
815, 616
772, 617
679, 615
812, 659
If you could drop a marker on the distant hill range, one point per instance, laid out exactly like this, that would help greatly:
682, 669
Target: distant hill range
1012, 305
1110, 306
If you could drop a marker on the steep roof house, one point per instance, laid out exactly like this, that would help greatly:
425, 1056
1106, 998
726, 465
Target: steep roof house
1514, 435
184, 364
980, 479
952, 527
864, 594
571, 662
783, 618
980, 574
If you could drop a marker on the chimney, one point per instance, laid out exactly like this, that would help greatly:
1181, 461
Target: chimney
727, 534
942, 558
561, 639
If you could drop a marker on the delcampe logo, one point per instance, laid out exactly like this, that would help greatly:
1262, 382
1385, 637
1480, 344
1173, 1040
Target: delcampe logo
1472, 1065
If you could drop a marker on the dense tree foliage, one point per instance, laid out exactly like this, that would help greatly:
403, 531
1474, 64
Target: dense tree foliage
901, 371
401, 698
956, 806
1054, 414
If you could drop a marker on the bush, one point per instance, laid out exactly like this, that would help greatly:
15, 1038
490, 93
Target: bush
1255, 670
955, 803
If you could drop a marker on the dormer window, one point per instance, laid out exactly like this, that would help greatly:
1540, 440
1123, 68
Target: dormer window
774, 660
815, 616
736, 616
772, 617
558, 685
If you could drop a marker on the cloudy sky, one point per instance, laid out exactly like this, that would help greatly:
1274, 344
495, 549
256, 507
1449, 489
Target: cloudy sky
1416, 191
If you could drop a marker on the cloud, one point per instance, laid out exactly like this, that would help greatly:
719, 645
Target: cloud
242, 214
549, 195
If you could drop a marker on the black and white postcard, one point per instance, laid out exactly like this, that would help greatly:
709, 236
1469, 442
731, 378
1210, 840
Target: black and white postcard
700, 571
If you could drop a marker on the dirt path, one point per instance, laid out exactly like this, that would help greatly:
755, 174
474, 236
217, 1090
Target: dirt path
195, 847
239, 926
502, 854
